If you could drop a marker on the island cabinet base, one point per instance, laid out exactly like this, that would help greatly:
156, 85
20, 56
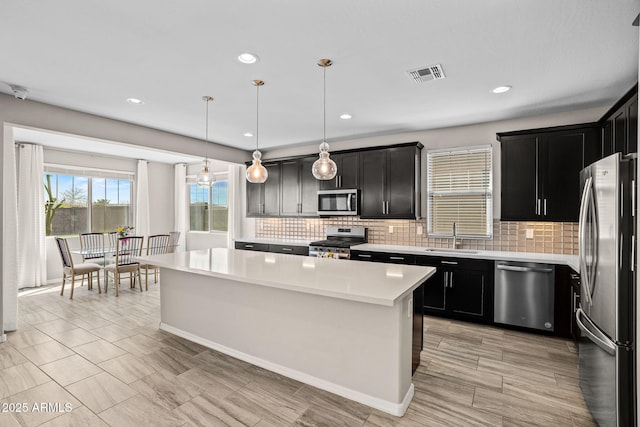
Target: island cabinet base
361, 351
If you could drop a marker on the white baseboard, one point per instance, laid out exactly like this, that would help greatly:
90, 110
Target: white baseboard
3, 337
393, 408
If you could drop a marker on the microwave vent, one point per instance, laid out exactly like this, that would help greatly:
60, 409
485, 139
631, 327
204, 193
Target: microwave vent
425, 74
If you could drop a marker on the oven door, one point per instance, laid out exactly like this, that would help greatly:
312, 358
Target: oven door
338, 202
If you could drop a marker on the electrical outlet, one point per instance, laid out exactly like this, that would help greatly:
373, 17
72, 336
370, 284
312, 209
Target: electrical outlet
419, 230
529, 233
410, 307
391, 229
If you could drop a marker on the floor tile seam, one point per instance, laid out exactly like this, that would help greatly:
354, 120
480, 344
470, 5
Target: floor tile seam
32, 387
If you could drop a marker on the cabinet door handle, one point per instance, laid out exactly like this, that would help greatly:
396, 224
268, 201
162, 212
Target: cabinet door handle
337, 181
538, 207
445, 279
545, 206
383, 206
451, 279
287, 249
340, 181
449, 262
364, 256
398, 258
248, 246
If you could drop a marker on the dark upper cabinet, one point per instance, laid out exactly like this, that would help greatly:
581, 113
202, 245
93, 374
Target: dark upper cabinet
264, 199
620, 126
541, 172
632, 124
372, 183
519, 165
299, 188
348, 165
388, 182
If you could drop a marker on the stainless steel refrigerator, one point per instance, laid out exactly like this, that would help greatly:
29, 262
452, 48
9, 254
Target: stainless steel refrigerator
606, 316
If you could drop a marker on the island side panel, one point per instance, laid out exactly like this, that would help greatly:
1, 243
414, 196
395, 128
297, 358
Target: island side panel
359, 350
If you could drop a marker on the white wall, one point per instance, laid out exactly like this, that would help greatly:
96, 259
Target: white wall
461, 136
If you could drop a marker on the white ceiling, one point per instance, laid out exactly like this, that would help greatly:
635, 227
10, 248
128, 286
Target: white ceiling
91, 56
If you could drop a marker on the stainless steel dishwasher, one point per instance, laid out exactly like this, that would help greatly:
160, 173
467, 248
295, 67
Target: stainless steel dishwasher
524, 294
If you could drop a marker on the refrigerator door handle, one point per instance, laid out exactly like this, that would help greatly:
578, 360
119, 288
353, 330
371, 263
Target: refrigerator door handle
593, 334
594, 245
581, 234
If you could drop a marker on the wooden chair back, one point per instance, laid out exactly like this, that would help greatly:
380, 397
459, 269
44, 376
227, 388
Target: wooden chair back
92, 245
158, 244
127, 248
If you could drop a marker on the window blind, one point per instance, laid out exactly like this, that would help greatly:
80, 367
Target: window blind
459, 186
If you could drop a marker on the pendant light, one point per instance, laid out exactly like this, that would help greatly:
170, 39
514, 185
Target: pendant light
324, 168
205, 176
256, 173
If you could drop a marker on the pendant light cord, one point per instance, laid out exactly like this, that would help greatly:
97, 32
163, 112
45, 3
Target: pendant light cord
257, 113
206, 133
324, 104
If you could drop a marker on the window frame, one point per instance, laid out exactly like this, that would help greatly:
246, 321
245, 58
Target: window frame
90, 173
488, 192
191, 180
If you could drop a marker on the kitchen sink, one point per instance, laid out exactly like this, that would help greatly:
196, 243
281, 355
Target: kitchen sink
453, 251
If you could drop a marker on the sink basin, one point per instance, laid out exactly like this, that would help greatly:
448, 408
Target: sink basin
453, 251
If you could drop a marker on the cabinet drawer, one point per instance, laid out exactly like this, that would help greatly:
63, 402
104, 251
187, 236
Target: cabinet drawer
398, 258
453, 263
366, 256
250, 246
289, 249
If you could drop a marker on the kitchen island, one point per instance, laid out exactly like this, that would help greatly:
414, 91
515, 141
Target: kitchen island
339, 325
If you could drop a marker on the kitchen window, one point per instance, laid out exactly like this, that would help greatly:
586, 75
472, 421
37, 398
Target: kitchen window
208, 207
81, 200
459, 190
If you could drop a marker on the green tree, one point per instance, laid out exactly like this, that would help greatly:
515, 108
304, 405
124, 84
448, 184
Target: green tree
102, 202
50, 206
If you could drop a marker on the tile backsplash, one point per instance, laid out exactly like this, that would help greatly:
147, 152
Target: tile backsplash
548, 237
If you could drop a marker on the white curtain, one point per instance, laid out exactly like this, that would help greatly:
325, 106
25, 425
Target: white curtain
10, 235
235, 203
180, 203
142, 227
32, 253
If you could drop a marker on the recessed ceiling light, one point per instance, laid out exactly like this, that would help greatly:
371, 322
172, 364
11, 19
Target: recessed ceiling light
135, 101
248, 134
502, 89
345, 116
247, 58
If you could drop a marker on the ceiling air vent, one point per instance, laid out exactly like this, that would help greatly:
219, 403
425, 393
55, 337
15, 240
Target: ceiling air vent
424, 74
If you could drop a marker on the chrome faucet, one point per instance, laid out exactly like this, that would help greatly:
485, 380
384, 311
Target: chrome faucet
456, 243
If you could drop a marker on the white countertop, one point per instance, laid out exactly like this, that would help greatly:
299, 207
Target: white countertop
374, 283
570, 260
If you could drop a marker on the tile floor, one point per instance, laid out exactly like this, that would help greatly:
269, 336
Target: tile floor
105, 358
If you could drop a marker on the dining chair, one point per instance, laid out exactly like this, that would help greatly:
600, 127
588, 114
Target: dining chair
92, 247
69, 269
173, 241
157, 244
127, 248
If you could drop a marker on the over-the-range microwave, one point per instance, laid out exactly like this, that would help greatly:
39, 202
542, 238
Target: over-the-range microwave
338, 202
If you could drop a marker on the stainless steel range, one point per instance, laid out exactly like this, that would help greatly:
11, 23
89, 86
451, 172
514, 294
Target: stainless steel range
338, 243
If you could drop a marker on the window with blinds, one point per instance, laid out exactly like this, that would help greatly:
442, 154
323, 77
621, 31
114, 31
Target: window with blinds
459, 185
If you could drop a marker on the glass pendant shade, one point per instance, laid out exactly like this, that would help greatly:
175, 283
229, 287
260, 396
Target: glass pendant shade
324, 168
205, 177
256, 173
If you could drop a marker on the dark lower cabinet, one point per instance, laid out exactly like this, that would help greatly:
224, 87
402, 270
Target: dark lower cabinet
566, 300
271, 247
460, 289
417, 340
